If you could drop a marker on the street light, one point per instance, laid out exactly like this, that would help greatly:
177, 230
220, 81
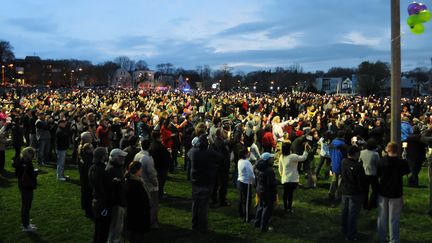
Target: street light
3, 73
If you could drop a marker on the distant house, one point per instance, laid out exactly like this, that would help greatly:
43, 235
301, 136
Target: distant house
408, 86
336, 85
121, 78
32, 70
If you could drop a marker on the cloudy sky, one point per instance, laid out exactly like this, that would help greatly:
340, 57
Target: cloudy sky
245, 34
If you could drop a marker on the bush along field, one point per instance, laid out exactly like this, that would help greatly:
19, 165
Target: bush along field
57, 212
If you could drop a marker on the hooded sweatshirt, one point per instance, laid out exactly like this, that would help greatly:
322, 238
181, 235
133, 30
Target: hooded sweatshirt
266, 182
337, 154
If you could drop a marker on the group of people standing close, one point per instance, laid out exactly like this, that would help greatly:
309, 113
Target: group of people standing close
126, 144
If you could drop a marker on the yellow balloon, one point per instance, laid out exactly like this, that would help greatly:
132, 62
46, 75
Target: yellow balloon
424, 16
418, 29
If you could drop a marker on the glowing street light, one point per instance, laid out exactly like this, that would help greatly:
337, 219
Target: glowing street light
3, 74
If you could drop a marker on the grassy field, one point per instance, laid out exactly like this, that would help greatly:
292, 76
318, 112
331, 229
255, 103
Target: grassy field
57, 213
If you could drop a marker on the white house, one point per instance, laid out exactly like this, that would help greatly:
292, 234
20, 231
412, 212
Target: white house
336, 85
121, 78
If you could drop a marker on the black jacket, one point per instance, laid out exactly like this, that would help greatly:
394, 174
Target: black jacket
416, 150
62, 138
138, 205
115, 185
353, 177
266, 183
161, 156
204, 165
221, 146
17, 135
390, 172
27, 176
97, 179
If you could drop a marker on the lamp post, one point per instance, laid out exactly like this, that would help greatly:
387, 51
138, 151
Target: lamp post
3, 75
395, 73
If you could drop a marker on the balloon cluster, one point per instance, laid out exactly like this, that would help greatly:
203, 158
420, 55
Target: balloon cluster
418, 14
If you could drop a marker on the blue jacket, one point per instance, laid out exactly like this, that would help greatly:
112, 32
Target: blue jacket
337, 154
406, 130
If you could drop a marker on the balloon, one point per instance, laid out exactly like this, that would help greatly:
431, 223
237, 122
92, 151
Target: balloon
413, 8
413, 20
424, 16
418, 29
422, 7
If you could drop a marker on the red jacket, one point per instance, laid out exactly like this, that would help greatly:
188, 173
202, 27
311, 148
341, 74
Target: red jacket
166, 137
268, 140
103, 134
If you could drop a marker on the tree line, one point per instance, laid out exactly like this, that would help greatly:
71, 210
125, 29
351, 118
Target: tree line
371, 75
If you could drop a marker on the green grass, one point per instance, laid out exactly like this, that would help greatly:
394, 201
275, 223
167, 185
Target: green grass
57, 213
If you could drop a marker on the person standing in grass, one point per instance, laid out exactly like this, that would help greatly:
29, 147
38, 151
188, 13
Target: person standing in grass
288, 164
115, 186
62, 140
370, 158
3, 127
85, 154
353, 184
266, 189
149, 175
43, 137
204, 164
390, 171
138, 204
338, 152
101, 209
27, 181
245, 179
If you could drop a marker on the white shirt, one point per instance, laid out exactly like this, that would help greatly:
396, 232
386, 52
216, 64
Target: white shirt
245, 171
278, 131
254, 153
288, 167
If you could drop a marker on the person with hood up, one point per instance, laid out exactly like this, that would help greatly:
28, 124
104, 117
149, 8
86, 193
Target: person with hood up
116, 187
101, 210
338, 152
266, 188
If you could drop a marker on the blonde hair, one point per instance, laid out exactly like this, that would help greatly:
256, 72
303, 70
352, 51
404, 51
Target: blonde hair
392, 147
27, 152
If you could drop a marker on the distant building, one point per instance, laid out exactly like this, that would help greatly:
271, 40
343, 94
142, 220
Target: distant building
336, 85
408, 87
140, 76
32, 70
121, 78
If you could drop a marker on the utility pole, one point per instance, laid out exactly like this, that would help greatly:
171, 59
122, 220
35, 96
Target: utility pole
395, 73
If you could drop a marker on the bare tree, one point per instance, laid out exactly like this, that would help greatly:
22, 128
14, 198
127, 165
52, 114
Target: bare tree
125, 63
6, 52
141, 65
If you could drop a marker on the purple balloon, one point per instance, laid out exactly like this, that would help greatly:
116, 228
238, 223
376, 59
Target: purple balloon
414, 8
422, 7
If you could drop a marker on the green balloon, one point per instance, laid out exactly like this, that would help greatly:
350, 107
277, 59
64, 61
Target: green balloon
418, 29
424, 16
413, 20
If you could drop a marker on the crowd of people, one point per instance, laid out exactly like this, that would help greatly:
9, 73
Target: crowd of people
125, 144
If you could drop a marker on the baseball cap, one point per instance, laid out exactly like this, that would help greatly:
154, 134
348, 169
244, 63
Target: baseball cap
118, 153
266, 156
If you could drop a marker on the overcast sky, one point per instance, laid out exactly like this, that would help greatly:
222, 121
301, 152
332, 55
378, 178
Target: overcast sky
245, 34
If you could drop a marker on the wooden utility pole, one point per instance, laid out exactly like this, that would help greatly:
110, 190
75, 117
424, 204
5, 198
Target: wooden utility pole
395, 73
